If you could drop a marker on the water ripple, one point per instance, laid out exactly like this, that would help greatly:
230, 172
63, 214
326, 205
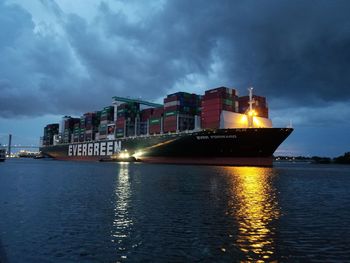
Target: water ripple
105, 212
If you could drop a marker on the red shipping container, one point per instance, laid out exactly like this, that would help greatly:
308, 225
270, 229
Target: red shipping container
216, 122
170, 130
145, 118
220, 89
171, 98
173, 108
210, 125
209, 119
211, 101
260, 101
120, 126
154, 129
213, 107
228, 108
169, 127
215, 90
262, 112
213, 111
146, 114
215, 96
170, 122
211, 115
218, 107
157, 112
171, 118
229, 101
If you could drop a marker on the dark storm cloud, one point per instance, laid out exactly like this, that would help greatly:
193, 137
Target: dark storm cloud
291, 51
300, 49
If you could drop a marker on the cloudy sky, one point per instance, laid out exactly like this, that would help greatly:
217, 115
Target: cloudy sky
64, 57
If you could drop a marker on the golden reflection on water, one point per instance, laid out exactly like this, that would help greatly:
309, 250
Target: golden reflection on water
122, 221
255, 208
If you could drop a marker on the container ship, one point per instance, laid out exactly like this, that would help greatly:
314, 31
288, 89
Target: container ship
217, 128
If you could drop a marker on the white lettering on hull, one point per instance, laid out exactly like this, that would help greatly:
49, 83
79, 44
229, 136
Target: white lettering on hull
109, 148
90, 149
75, 149
206, 137
103, 148
79, 150
95, 149
70, 150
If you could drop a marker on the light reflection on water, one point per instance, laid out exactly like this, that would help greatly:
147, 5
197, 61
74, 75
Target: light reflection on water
122, 221
108, 212
255, 208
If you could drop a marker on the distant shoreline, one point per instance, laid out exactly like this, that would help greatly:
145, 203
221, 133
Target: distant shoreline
344, 159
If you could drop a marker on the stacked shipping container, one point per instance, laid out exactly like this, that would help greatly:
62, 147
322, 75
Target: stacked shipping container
68, 128
82, 129
156, 121
107, 117
179, 111
145, 115
92, 120
76, 132
213, 102
50, 131
177, 114
127, 114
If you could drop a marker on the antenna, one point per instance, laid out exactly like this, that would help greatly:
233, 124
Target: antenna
250, 113
250, 98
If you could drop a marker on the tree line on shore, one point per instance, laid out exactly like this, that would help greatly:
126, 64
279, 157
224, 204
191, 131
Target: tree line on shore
343, 159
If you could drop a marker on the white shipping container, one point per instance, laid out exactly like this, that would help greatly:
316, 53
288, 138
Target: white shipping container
171, 103
231, 120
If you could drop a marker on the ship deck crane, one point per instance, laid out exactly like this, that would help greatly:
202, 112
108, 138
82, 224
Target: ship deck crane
143, 102
118, 100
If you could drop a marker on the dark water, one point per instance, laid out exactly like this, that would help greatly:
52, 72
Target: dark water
53, 211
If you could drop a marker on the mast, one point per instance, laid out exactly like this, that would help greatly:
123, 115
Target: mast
251, 101
250, 113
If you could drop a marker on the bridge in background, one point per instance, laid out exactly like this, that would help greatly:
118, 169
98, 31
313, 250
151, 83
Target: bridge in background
9, 145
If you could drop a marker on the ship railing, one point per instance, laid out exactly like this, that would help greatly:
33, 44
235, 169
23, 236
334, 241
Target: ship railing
139, 136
